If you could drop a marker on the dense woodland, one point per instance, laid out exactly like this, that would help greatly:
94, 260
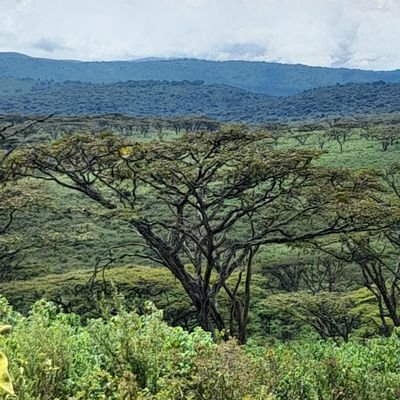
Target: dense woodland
280, 236
217, 101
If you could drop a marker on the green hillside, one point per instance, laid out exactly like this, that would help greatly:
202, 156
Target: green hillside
270, 78
217, 101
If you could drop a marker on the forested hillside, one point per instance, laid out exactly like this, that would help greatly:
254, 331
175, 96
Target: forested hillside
270, 78
218, 101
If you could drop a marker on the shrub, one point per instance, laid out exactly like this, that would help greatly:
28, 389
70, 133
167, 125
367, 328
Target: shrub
128, 356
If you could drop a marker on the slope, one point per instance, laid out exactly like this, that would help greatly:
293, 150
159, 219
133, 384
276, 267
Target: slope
271, 78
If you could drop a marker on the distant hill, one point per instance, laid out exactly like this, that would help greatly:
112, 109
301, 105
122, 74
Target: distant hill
143, 98
262, 77
221, 102
340, 100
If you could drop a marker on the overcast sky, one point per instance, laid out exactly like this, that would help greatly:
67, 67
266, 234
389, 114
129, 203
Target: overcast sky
349, 33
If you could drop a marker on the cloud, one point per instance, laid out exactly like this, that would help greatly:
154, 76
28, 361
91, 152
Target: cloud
356, 33
241, 51
49, 45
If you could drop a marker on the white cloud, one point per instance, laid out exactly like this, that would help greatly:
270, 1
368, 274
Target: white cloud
352, 33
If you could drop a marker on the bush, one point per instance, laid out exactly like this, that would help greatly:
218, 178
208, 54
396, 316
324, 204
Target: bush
127, 356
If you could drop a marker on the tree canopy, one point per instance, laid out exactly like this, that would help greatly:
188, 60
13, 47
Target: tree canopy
205, 203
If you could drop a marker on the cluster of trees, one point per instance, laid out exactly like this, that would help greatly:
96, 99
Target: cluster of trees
204, 206
24, 197
341, 100
339, 130
159, 126
143, 98
221, 102
139, 127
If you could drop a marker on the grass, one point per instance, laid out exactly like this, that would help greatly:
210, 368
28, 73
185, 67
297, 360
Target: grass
358, 153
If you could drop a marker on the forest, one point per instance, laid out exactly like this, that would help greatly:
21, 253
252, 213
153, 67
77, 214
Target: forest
164, 99
189, 258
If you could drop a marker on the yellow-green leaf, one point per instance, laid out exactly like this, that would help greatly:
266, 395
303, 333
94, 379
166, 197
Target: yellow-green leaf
5, 379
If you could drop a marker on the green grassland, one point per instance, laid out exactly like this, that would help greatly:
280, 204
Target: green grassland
358, 153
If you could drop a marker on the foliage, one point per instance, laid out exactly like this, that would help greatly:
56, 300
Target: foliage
76, 292
223, 196
217, 101
331, 315
6, 385
126, 356
76, 233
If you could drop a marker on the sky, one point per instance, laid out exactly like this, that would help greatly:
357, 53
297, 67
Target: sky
335, 33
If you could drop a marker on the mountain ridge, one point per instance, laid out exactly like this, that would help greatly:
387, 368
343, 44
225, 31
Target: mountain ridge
151, 59
256, 76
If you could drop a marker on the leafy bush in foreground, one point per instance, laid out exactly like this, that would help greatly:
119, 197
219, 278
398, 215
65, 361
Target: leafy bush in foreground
127, 356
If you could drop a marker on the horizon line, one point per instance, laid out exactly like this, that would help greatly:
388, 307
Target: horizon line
178, 58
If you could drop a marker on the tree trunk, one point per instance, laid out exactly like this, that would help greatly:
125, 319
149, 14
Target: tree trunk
209, 316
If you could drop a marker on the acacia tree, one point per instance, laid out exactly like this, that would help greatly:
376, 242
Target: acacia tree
13, 197
325, 274
387, 135
18, 202
332, 315
340, 130
205, 204
285, 277
302, 133
377, 253
379, 257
